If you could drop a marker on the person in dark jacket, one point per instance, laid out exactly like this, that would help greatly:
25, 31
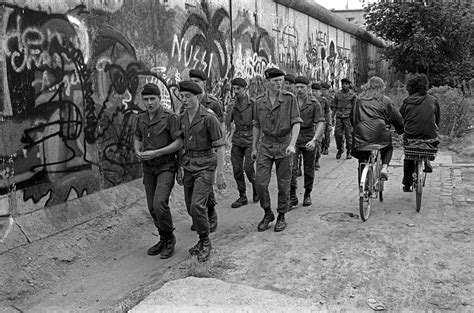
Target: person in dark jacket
371, 118
421, 115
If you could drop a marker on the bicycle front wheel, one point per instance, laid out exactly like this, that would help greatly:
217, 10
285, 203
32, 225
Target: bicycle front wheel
365, 198
419, 184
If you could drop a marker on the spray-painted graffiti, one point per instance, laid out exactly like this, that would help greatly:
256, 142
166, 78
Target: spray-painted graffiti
288, 41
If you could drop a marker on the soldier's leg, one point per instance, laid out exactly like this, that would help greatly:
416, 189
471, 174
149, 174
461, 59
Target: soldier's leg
348, 136
338, 132
164, 185
202, 187
149, 181
188, 186
283, 172
327, 138
211, 210
308, 157
262, 180
294, 175
237, 158
250, 171
317, 155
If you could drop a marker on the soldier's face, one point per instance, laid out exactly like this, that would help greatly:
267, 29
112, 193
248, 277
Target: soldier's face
201, 83
275, 83
189, 99
325, 92
345, 86
151, 102
301, 90
316, 92
238, 90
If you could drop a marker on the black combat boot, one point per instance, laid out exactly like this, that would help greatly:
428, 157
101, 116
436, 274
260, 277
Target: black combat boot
339, 153
316, 165
168, 247
156, 249
307, 198
267, 219
325, 151
280, 225
348, 155
197, 248
255, 194
212, 214
206, 248
240, 202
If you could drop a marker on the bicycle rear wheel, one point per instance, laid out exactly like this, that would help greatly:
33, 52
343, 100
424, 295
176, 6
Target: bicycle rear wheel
365, 199
419, 184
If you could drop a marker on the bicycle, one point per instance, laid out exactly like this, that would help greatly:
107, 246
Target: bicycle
371, 185
419, 151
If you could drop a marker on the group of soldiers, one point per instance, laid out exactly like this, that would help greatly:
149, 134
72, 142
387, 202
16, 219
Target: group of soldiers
292, 120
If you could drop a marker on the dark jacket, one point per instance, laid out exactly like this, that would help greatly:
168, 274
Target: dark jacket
421, 116
371, 120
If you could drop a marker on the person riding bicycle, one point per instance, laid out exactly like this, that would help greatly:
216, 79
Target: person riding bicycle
371, 118
421, 115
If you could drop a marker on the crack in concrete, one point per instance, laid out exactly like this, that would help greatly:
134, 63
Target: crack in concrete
24, 233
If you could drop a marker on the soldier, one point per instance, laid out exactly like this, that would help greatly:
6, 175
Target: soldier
157, 138
210, 102
202, 135
277, 122
240, 111
316, 93
310, 133
344, 101
326, 104
289, 83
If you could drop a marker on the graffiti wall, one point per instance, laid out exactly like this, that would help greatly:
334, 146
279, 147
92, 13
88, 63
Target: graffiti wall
71, 74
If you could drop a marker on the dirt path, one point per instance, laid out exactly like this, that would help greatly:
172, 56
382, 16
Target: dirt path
326, 255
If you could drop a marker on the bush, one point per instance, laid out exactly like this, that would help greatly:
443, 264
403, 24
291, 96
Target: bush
454, 110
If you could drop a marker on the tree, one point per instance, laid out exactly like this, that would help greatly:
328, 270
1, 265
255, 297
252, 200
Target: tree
426, 37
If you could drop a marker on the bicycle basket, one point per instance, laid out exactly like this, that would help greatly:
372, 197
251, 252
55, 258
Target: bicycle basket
418, 153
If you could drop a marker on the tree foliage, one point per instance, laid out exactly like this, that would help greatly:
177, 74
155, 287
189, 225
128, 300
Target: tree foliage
426, 37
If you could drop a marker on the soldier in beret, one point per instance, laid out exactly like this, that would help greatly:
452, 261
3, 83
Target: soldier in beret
210, 102
157, 138
344, 101
240, 111
326, 104
277, 123
310, 133
289, 83
201, 162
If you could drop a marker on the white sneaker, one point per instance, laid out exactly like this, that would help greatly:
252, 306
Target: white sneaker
384, 173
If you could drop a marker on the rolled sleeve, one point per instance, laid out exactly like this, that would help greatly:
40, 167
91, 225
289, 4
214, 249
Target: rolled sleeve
174, 125
295, 113
318, 113
215, 132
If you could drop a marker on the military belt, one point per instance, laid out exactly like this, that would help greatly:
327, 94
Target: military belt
198, 153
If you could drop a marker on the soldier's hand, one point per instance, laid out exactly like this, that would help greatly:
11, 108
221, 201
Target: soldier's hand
220, 180
148, 155
254, 155
180, 176
311, 145
290, 150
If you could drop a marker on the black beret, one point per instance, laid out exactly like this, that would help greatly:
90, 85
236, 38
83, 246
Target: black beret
239, 82
346, 80
197, 74
315, 86
273, 72
190, 86
290, 78
325, 86
302, 80
151, 89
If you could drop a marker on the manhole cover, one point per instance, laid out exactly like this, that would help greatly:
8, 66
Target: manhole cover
339, 217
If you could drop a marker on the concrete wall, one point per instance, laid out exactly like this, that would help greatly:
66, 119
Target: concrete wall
71, 73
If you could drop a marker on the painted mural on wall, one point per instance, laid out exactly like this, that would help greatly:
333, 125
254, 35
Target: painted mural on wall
71, 81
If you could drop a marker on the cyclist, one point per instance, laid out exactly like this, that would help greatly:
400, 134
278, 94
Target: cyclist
421, 114
371, 118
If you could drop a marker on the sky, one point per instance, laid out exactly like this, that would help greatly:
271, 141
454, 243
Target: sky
340, 4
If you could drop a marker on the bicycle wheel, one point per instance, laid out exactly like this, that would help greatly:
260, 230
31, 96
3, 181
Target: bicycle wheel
365, 199
419, 184
380, 182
